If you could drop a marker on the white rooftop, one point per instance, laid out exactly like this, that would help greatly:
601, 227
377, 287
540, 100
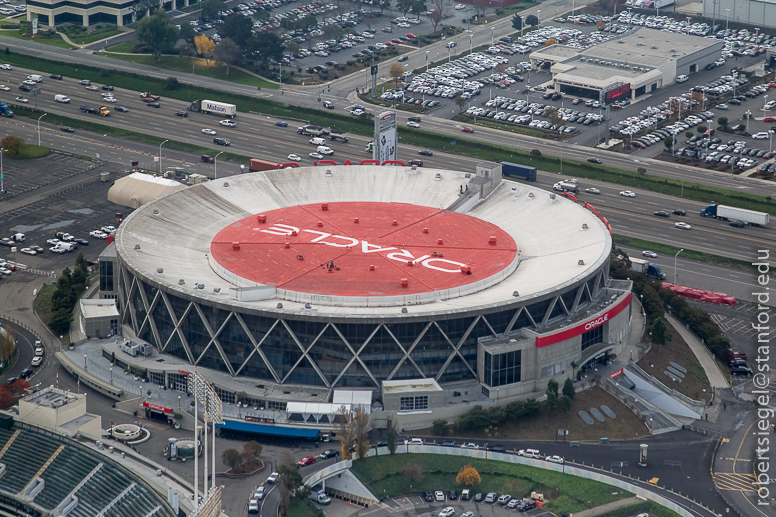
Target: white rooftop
549, 232
409, 385
102, 308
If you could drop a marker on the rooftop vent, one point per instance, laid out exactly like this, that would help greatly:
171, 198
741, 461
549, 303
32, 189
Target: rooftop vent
200, 286
181, 282
159, 270
328, 173
437, 177
226, 184
216, 290
414, 167
156, 212
137, 247
531, 195
581, 262
515, 294
552, 196
308, 306
280, 306
584, 226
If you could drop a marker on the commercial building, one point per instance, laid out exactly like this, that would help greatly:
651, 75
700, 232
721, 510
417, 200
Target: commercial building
647, 59
60, 411
307, 280
100, 317
89, 12
758, 13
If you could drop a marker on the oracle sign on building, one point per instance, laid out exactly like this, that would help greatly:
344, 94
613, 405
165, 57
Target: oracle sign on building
385, 147
570, 332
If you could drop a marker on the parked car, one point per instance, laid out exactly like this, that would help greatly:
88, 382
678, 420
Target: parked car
504, 499
447, 512
273, 478
329, 453
428, 497
439, 495
491, 497
306, 461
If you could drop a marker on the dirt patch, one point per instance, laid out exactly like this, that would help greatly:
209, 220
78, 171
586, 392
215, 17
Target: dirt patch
660, 356
545, 426
244, 469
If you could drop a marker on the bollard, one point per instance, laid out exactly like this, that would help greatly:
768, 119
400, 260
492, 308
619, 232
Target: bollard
198, 163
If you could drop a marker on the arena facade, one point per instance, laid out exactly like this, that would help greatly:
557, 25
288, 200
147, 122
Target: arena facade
347, 276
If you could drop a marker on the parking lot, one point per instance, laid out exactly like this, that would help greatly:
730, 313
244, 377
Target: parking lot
422, 508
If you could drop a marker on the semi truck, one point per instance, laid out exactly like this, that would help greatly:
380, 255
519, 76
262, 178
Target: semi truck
5, 111
256, 165
518, 171
102, 110
338, 135
726, 213
311, 130
647, 268
566, 186
214, 107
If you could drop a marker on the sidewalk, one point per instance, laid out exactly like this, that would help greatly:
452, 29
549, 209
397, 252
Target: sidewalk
715, 376
606, 508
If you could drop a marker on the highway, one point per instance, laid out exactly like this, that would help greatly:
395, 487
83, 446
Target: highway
257, 136
307, 97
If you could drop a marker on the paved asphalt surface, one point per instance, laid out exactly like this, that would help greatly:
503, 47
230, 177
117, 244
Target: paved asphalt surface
25, 341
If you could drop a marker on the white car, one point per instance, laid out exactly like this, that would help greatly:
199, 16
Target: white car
53, 242
97, 234
228, 123
28, 251
108, 229
106, 94
683, 226
253, 506
357, 112
209, 131
29, 82
22, 100
114, 100
57, 249
5, 271
470, 446
36, 360
317, 156
504, 499
447, 512
628, 193
4, 88
6, 67
592, 190
92, 88
413, 124
273, 478
762, 135
294, 157
460, 7
650, 254
259, 493
439, 495
554, 459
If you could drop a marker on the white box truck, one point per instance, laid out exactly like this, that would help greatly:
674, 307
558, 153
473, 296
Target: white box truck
215, 107
320, 497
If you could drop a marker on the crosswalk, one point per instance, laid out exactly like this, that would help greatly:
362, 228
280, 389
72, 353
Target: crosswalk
734, 481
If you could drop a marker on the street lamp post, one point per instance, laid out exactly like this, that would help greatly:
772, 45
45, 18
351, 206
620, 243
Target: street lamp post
470, 43
675, 257
2, 176
727, 22
427, 61
160, 155
215, 163
538, 19
748, 114
770, 144
39, 127
522, 24
491, 35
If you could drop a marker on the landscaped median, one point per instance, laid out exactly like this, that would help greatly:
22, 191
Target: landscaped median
409, 136
404, 474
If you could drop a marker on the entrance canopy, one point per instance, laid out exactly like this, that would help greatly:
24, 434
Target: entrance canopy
267, 429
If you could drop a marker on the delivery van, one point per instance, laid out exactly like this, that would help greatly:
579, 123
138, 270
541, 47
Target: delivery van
35, 77
62, 98
318, 141
326, 151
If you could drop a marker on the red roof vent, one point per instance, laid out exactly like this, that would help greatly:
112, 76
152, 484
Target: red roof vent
261, 218
324, 206
404, 282
355, 220
440, 241
425, 230
235, 246
492, 239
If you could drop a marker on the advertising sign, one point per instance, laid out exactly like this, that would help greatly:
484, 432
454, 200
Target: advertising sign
157, 407
615, 93
385, 147
583, 327
35, 26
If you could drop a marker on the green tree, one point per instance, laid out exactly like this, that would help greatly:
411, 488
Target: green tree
440, 427
80, 272
552, 385
172, 82
517, 22
333, 31
391, 439
157, 32
384, 4
668, 141
210, 8
551, 404
266, 47
722, 121
404, 6
461, 103
659, 331
701, 129
568, 389
688, 134
418, 6
741, 127
237, 28
565, 403
305, 23
188, 33
531, 20
231, 458
291, 478
532, 407
142, 7
13, 145
227, 53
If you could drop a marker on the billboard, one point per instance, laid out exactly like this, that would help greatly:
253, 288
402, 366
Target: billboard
385, 147
615, 93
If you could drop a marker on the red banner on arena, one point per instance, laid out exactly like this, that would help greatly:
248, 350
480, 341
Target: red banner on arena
157, 407
583, 327
615, 374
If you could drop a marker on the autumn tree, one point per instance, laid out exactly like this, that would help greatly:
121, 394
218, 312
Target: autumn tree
480, 6
231, 458
435, 17
396, 71
205, 47
347, 431
18, 388
12, 145
550, 42
362, 427
7, 343
468, 476
6, 399
412, 471
251, 451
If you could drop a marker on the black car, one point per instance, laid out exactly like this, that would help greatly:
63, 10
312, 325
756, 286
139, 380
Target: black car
414, 119
221, 141
182, 113
446, 444
108, 88
67, 129
497, 448
121, 109
453, 496
740, 370
329, 453
478, 498
154, 105
425, 153
56, 76
83, 242
12, 380
594, 160
25, 373
662, 213
737, 224
679, 212
25, 88
428, 496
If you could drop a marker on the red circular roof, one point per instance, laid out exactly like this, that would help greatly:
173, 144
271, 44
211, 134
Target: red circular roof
363, 249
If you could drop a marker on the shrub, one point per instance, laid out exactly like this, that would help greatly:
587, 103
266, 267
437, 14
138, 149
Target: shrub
536, 152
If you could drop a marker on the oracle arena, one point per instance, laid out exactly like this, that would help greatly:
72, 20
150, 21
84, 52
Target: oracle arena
349, 276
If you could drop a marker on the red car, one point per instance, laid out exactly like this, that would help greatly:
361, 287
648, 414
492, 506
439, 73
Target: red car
148, 99
304, 462
638, 145
410, 35
419, 163
467, 130
710, 132
390, 44
396, 40
772, 85
769, 119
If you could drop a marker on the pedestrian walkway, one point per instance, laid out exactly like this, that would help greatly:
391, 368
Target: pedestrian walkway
716, 377
608, 507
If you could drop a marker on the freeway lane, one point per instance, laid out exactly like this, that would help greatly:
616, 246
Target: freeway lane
308, 97
256, 135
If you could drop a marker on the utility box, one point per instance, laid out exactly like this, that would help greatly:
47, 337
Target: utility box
104, 176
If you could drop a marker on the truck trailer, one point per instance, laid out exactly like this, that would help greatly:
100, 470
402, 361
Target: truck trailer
647, 268
256, 165
518, 171
566, 186
338, 135
310, 130
214, 107
727, 213
657, 4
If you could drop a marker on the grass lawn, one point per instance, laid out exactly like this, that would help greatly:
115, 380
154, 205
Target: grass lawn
670, 250
30, 152
660, 356
303, 508
42, 303
545, 426
127, 46
55, 41
562, 492
200, 67
91, 37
